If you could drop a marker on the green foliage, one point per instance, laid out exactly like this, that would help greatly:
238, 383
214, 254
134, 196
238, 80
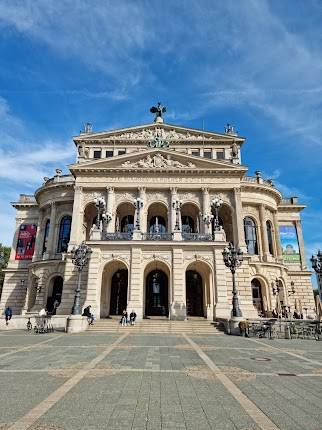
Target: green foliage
316, 292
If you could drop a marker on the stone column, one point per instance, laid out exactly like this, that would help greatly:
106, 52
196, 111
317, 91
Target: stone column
262, 219
77, 218
52, 245
238, 221
39, 238
110, 228
278, 246
299, 231
143, 215
172, 217
206, 210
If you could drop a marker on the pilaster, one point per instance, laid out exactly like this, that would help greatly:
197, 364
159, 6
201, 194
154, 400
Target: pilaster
136, 290
277, 238
206, 210
299, 231
238, 221
178, 309
262, 218
77, 219
51, 248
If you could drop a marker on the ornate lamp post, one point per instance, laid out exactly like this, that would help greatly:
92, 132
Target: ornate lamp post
177, 207
215, 204
316, 261
100, 205
80, 257
138, 204
233, 258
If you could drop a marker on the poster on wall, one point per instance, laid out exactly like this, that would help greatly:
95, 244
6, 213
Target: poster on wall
26, 241
289, 243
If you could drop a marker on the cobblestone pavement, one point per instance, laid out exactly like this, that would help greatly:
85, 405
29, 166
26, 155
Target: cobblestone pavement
144, 381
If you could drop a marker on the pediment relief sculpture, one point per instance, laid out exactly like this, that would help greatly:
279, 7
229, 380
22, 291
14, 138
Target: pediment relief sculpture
160, 133
158, 162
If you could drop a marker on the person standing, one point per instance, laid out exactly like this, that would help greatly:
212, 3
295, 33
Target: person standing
8, 314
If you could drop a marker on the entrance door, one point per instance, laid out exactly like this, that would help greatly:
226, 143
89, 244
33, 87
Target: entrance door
156, 299
119, 292
194, 294
54, 300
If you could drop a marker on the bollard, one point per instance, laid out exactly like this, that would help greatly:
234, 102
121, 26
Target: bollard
287, 332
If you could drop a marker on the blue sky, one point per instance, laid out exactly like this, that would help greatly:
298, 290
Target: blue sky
256, 64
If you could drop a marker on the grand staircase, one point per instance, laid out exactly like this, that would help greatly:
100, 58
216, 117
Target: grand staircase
192, 326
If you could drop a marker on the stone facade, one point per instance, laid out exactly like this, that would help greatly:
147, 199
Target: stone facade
154, 248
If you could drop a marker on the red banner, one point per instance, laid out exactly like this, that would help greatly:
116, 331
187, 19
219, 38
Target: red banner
26, 241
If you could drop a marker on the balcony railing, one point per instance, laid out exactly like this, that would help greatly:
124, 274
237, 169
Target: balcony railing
156, 236
196, 237
117, 236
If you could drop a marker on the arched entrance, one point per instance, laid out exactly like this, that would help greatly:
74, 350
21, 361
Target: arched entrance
119, 285
157, 294
194, 294
199, 290
114, 289
54, 294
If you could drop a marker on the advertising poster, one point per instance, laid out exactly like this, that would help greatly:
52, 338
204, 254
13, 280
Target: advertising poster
26, 241
289, 243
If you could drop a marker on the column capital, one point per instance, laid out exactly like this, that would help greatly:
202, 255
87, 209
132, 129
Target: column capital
173, 190
78, 188
110, 189
142, 189
205, 190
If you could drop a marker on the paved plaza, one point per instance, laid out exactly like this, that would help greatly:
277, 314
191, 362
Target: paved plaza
145, 381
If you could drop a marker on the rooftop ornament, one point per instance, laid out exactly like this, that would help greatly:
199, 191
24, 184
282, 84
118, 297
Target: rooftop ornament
158, 110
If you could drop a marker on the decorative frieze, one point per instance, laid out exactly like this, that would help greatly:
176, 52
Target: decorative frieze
158, 161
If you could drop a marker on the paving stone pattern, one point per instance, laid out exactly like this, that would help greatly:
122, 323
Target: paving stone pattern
147, 381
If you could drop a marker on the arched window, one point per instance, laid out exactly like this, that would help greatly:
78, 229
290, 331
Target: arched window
188, 225
64, 234
127, 224
46, 233
157, 225
270, 237
250, 235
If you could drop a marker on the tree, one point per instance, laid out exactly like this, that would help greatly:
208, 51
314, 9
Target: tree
3, 264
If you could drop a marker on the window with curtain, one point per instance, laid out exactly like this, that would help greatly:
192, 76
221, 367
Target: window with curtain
46, 233
64, 233
250, 235
270, 237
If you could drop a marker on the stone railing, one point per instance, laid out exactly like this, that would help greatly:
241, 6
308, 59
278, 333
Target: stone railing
258, 180
156, 236
197, 237
117, 236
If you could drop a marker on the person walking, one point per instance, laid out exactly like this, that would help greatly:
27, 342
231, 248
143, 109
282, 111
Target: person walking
124, 318
132, 318
8, 314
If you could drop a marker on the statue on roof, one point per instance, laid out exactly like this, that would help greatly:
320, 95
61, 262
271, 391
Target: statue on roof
158, 110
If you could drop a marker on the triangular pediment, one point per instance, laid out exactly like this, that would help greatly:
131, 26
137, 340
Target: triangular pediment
148, 132
157, 160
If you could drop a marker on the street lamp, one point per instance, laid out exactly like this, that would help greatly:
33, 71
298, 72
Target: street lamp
138, 204
80, 257
177, 207
316, 261
233, 258
100, 205
215, 204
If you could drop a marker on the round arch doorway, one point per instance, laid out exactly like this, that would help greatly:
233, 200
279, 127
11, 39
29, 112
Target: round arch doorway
157, 295
119, 285
194, 294
54, 298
